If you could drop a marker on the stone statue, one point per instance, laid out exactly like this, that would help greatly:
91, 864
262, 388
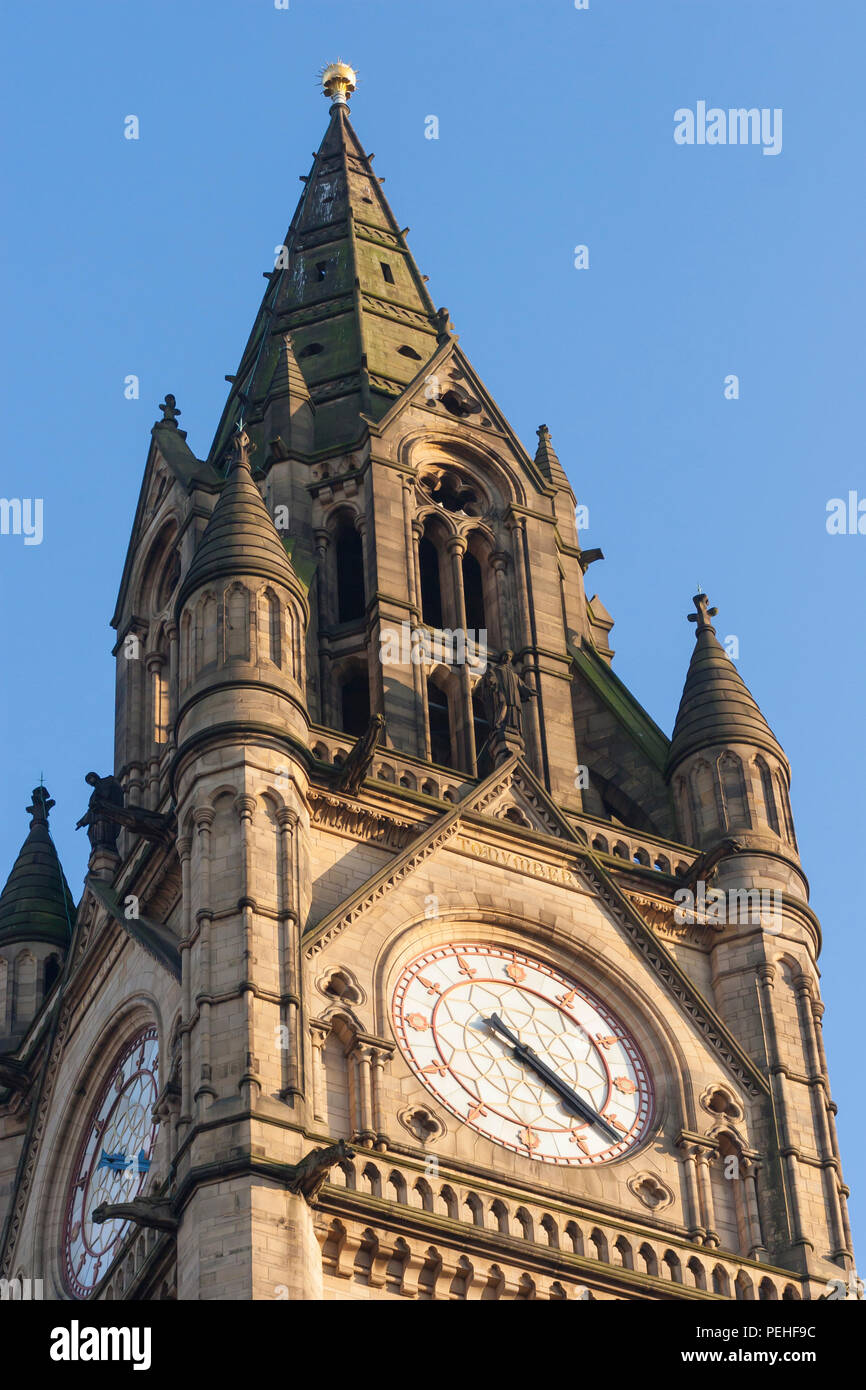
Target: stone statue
504, 694
102, 828
106, 813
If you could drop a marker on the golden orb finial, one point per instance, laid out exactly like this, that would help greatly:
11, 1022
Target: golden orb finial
338, 81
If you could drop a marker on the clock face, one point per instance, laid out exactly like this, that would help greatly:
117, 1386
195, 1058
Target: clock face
567, 1039
112, 1163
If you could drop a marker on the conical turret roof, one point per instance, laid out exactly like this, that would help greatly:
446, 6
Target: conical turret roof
36, 904
240, 537
716, 706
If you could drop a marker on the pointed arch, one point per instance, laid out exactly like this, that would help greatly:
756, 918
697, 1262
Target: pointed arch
734, 795
768, 796
349, 562
237, 623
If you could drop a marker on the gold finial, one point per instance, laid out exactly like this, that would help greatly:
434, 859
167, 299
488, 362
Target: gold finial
338, 81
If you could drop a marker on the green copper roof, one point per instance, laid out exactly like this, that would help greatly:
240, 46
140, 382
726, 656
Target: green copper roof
716, 705
347, 290
240, 537
36, 904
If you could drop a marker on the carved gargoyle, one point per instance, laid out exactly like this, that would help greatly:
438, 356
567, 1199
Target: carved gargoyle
308, 1176
357, 764
106, 811
143, 1211
705, 866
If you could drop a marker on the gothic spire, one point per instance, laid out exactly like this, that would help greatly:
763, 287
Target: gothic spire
345, 286
716, 707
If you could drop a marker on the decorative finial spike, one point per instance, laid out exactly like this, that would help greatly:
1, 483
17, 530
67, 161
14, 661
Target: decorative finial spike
702, 614
338, 82
242, 448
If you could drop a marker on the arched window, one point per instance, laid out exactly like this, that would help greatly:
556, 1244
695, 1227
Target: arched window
52, 970
351, 595
272, 618
734, 791
473, 593
237, 611
159, 696
355, 703
771, 815
440, 725
24, 997
206, 632
431, 592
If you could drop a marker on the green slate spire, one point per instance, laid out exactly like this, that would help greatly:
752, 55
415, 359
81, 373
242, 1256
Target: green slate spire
347, 290
716, 706
240, 537
36, 904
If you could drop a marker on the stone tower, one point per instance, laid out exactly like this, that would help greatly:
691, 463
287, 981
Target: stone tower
384, 982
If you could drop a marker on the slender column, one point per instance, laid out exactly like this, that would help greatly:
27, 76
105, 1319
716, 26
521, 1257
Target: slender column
155, 663
457, 549
424, 742
531, 718
688, 1152
414, 593
184, 849
366, 557
766, 975
379, 1057
499, 564
173, 681
287, 820
250, 1085
705, 1188
324, 611
749, 1179
363, 1056
817, 1015
819, 1097
203, 819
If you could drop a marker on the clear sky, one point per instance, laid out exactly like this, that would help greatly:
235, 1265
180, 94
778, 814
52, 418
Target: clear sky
556, 129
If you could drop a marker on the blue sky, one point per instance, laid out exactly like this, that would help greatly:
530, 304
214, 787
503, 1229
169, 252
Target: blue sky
555, 129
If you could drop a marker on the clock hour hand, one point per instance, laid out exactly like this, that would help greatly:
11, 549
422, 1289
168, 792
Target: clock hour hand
525, 1054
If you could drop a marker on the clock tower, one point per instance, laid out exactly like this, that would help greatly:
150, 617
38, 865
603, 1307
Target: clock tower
414, 960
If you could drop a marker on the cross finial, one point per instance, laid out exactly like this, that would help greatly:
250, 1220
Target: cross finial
169, 410
703, 614
42, 804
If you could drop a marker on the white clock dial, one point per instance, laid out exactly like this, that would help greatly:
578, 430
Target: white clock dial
441, 1010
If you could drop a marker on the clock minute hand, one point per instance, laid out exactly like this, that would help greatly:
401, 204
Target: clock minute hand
524, 1053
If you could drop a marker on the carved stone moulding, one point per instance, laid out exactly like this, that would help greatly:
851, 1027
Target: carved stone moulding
650, 1190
